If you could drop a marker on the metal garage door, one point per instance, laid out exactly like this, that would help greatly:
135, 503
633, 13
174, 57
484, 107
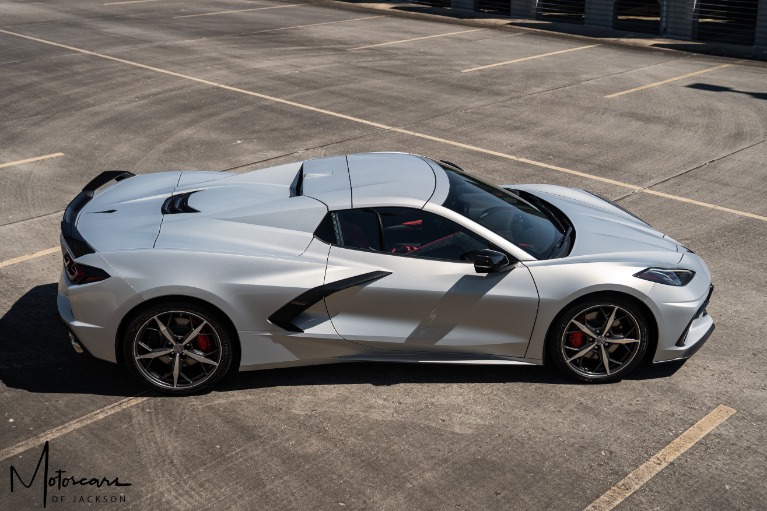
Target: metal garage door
727, 21
637, 16
568, 11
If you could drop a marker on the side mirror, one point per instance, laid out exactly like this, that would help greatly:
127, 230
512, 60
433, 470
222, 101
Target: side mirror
490, 261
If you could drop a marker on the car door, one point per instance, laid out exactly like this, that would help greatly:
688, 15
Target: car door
424, 293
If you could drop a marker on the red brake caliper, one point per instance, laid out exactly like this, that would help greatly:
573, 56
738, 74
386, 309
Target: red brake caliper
575, 339
203, 343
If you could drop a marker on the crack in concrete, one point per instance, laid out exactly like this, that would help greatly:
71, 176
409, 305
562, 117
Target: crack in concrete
656, 182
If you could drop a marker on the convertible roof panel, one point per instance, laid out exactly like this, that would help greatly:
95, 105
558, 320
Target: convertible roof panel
327, 179
367, 180
390, 178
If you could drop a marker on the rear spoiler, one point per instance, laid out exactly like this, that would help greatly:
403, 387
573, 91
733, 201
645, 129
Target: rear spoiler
74, 240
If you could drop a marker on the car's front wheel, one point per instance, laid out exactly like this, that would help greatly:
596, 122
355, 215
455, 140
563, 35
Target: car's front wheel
177, 347
599, 340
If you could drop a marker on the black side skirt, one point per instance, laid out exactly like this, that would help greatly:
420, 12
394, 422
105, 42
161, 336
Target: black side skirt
284, 317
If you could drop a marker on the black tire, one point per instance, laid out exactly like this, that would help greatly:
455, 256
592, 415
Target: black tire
580, 355
173, 361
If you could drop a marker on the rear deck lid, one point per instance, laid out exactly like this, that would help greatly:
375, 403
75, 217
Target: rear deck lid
126, 215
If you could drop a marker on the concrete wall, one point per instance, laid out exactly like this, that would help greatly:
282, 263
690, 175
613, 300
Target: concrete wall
462, 5
761, 25
599, 13
678, 17
524, 8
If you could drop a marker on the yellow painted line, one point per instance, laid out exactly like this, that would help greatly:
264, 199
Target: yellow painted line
56, 432
237, 10
304, 26
30, 160
669, 80
651, 467
704, 204
27, 257
378, 125
506, 63
416, 39
134, 2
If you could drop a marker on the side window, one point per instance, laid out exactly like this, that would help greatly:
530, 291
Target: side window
326, 231
409, 233
359, 228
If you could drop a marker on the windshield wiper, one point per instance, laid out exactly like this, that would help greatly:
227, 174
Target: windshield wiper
561, 242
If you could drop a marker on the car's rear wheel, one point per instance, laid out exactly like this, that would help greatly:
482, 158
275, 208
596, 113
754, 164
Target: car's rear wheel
177, 348
599, 340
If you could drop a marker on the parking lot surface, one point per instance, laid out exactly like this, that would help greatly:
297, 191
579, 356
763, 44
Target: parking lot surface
152, 85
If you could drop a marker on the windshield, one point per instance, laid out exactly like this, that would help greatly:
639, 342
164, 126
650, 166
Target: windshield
502, 212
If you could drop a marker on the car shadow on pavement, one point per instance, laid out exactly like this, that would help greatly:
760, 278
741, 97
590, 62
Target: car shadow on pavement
389, 374
35, 355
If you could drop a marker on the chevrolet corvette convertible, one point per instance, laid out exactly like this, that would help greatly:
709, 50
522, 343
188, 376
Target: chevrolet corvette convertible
185, 276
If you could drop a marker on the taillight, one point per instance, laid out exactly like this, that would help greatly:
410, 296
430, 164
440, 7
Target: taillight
79, 273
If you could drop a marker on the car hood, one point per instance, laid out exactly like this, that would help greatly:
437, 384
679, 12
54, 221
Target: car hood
602, 227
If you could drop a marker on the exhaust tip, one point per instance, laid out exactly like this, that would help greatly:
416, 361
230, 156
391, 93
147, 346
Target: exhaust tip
76, 344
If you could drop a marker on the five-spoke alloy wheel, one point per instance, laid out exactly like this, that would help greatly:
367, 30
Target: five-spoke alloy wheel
599, 340
177, 348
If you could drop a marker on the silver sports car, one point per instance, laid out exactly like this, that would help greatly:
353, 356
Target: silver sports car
183, 276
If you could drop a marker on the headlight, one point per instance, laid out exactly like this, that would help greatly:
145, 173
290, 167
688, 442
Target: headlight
666, 276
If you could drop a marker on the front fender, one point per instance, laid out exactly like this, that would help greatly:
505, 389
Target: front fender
560, 285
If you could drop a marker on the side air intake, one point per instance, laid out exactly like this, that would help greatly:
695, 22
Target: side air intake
176, 204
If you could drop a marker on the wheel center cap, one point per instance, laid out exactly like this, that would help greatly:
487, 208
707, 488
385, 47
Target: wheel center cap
601, 341
178, 349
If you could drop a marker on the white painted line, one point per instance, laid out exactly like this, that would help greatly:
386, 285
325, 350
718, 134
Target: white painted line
386, 127
663, 82
529, 58
237, 10
651, 467
70, 426
30, 160
27, 257
416, 39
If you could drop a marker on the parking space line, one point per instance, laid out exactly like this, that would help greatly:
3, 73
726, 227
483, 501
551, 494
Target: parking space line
277, 30
27, 257
30, 160
133, 2
386, 127
416, 39
70, 426
528, 58
661, 460
669, 80
704, 204
237, 10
